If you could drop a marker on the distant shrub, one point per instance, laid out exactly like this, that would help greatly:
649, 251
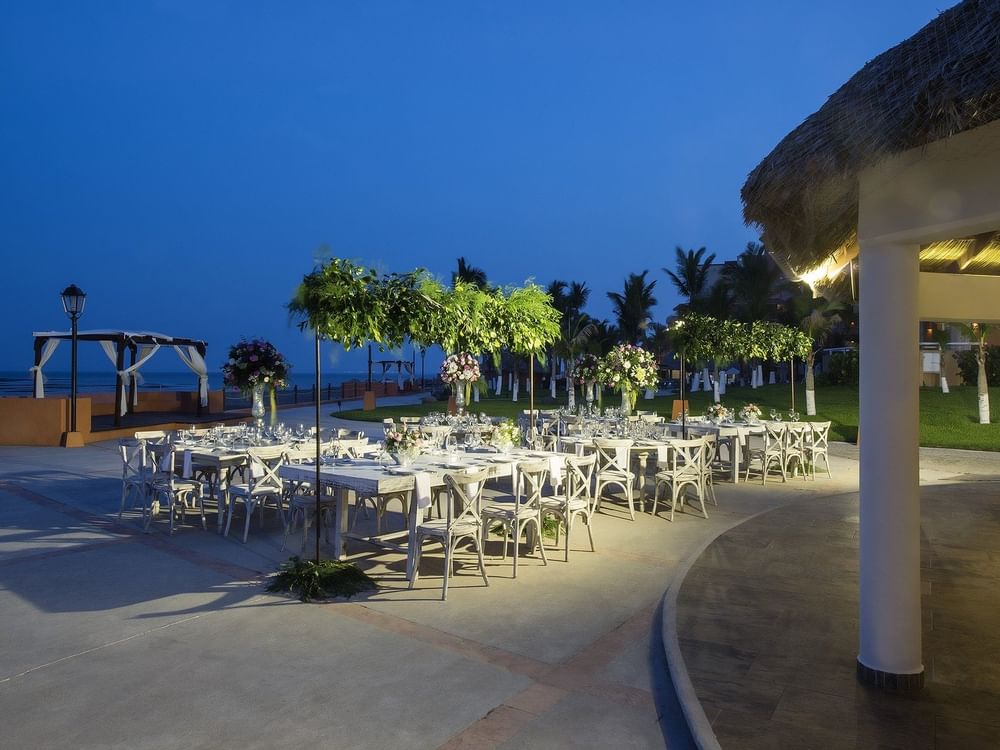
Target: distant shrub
841, 368
969, 367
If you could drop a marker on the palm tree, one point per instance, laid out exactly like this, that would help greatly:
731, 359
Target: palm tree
633, 307
690, 274
469, 274
753, 281
576, 329
818, 324
557, 291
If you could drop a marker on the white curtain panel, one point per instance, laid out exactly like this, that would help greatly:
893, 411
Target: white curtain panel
48, 349
189, 355
111, 352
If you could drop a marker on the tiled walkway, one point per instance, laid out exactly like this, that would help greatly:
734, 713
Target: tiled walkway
768, 624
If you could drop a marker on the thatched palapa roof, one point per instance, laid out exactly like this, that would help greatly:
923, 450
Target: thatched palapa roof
943, 80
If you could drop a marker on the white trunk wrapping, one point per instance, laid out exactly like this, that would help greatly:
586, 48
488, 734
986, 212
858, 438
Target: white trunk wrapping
811, 403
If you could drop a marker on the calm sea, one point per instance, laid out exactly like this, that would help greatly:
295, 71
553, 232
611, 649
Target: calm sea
13, 383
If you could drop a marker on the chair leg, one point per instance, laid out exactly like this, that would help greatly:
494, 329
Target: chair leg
416, 562
569, 529
516, 531
541, 546
250, 505
482, 562
589, 520
447, 567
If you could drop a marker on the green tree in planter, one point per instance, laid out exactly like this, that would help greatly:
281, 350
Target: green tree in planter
818, 320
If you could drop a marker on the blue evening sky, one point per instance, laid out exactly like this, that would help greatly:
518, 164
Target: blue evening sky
182, 161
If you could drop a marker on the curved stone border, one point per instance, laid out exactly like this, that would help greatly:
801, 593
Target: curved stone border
698, 723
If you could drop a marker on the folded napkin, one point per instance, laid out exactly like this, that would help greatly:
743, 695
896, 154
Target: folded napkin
186, 471
556, 465
621, 456
422, 489
256, 468
165, 462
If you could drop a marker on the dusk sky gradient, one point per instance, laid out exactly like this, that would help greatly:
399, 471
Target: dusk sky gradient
183, 161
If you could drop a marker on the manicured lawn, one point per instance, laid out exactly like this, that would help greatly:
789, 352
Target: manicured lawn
945, 421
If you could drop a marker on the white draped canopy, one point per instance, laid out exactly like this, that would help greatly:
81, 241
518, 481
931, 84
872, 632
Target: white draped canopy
142, 344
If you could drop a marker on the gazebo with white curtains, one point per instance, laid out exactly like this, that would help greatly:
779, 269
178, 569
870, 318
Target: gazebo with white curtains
900, 170
140, 347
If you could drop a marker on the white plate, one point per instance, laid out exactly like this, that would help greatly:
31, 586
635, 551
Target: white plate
402, 470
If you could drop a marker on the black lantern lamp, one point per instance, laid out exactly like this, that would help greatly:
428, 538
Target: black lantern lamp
74, 299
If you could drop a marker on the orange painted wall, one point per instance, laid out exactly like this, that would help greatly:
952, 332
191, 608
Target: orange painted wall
40, 421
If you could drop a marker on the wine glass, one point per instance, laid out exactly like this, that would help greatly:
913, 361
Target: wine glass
451, 443
774, 415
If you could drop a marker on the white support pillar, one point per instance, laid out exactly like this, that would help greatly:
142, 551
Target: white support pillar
890, 641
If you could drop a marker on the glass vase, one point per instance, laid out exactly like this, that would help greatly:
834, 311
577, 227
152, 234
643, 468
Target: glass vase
460, 397
257, 407
628, 400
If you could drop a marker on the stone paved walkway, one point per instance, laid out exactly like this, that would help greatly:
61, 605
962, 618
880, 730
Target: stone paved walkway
768, 627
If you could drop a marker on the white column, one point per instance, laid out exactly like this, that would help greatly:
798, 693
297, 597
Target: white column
890, 500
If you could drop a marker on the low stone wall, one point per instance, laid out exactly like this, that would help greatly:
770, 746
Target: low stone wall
180, 402
40, 421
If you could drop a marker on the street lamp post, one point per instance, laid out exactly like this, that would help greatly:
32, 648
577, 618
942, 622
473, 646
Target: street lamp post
74, 299
678, 324
423, 354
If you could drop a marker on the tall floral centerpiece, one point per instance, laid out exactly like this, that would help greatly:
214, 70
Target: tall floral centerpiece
628, 368
460, 371
253, 366
585, 372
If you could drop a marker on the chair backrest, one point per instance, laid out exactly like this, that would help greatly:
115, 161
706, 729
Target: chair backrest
711, 449
134, 459
267, 460
688, 456
774, 436
652, 418
388, 425
465, 489
579, 477
612, 455
795, 436
531, 476
820, 436
153, 436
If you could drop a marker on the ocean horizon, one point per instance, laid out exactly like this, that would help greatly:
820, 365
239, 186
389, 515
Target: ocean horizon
57, 382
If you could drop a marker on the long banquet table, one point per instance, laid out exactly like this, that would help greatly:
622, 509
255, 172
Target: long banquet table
368, 477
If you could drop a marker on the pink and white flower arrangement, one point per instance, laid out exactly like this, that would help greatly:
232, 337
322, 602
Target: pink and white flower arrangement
400, 441
629, 368
254, 363
586, 369
460, 368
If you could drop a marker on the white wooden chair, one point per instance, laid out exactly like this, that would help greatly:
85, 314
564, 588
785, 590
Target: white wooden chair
796, 436
684, 469
818, 446
770, 452
153, 437
176, 492
525, 510
613, 470
136, 473
262, 484
577, 498
466, 493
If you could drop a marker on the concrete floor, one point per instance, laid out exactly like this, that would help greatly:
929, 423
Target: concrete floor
768, 622
115, 638
119, 639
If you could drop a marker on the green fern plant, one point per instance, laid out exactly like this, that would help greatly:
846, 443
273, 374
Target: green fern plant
311, 581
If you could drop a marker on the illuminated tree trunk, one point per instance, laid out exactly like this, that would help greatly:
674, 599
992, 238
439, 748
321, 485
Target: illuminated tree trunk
984, 393
810, 385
